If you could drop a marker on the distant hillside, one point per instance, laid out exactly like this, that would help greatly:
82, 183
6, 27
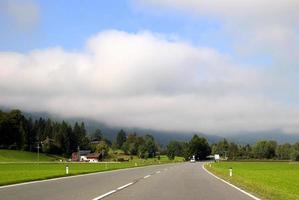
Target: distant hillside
162, 137
24, 156
251, 138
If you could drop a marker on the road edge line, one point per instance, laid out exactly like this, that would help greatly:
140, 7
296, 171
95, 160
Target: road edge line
78, 175
237, 188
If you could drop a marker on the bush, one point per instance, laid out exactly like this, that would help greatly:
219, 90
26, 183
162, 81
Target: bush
122, 160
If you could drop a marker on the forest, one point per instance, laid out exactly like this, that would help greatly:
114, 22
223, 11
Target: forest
61, 138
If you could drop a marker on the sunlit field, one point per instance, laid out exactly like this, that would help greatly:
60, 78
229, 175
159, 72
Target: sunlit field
268, 180
18, 166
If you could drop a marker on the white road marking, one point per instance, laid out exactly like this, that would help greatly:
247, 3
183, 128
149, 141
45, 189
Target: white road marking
104, 195
244, 192
158, 172
124, 186
147, 176
70, 177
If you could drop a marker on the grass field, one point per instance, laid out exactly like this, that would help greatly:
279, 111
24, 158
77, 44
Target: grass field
21, 170
268, 180
24, 156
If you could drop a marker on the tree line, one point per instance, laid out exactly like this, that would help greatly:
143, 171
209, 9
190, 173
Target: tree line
18, 132
263, 149
21, 133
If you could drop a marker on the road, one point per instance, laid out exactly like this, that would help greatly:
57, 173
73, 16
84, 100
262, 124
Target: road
171, 181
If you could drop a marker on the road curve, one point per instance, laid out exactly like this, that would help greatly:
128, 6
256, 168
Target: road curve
172, 181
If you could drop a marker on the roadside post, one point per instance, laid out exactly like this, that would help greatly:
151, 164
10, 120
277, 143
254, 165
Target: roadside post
66, 169
230, 171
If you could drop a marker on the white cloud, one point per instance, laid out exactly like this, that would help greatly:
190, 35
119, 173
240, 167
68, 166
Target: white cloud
144, 80
267, 26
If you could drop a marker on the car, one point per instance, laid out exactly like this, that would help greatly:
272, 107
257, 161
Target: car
192, 160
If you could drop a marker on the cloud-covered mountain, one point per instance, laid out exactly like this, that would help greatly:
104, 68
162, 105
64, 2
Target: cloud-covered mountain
163, 137
138, 73
146, 80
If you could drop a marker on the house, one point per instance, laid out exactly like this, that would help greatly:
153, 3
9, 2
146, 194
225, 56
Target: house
94, 157
95, 142
81, 156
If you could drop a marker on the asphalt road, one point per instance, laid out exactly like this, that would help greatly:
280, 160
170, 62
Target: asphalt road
172, 181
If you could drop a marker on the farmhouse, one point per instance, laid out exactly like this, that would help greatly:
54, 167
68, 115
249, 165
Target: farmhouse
94, 157
80, 156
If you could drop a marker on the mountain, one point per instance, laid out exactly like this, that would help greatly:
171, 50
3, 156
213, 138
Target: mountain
163, 137
253, 137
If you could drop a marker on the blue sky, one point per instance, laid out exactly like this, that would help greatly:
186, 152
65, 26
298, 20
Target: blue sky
221, 66
69, 24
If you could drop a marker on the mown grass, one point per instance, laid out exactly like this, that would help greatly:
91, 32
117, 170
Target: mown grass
21, 171
268, 180
24, 156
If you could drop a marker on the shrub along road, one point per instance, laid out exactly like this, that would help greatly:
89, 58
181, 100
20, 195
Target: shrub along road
169, 181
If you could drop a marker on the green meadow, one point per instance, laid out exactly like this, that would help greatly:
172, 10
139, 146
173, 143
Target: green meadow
24, 156
267, 180
18, 166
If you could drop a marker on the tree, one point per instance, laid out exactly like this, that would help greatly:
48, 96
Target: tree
13, 129
150, 145
97, 135
102, 148
18, 132
222, 148
62, 138
132, 144
265, 149
199, 147
171, 150
284, 151
233, 151
75, 137
295, 152
142, 152
30, 136
121, 138
246, 151
174, 148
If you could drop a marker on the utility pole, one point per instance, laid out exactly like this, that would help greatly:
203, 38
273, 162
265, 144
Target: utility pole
78, 153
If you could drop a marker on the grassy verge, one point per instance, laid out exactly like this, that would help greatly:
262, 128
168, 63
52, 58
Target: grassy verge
21, 172
269, 180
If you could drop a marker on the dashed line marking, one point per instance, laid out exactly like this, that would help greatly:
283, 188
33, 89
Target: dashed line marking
124, 186
104, 195
147, 176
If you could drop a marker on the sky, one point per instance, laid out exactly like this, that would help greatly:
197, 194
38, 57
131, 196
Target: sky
217, 67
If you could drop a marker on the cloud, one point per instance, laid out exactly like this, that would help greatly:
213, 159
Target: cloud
144, 80
22, 15
257, 27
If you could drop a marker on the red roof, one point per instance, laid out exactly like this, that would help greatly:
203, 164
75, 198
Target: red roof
94, 155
